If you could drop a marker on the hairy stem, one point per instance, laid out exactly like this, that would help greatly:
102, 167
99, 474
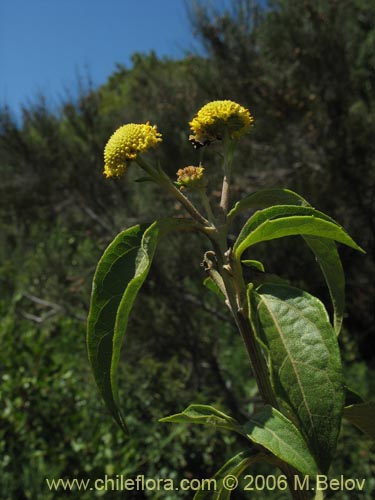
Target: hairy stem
236, 294
207, 207
224, 202
161, 178
235, 288
229, 147
176, 193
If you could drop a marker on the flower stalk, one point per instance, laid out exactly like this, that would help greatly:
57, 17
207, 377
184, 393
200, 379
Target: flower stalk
164, 181
229, 147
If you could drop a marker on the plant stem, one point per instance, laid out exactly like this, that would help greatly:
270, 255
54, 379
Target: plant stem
236, 293
229, 147
162, 179
257, 360
207, 207
224, 202
235, 287
176, 193
229, 278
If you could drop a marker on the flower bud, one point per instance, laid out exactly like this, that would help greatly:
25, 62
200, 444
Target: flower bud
191, 177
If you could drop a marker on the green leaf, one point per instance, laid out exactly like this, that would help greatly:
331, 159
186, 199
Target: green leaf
205, 415
325, 250
352, 397
257, 275
265, 198
211, 285
328, 258
288, 220
362, 416
304, 361
268, 428
218, 488
120, 273
277, 212
275, 432
254, 264
259, 278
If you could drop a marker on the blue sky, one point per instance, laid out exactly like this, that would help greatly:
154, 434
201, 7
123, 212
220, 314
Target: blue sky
45, 44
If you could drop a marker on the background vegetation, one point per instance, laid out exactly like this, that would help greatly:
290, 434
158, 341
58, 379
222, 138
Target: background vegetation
306, 69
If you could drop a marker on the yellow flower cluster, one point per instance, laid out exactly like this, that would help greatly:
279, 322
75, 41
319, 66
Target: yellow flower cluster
191, 177
218, 118
214, 121
126, 144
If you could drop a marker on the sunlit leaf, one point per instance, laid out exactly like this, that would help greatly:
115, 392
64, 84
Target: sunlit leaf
268, 428
253, 264
324, 249
119, 275
267, 198
304, 360
211, 285
328, 258
288, 220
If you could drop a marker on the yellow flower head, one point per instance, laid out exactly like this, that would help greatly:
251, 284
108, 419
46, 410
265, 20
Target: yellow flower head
126, 144
217, 118
191, 177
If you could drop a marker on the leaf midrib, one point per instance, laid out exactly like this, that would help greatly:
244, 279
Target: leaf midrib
279, 440
293, 361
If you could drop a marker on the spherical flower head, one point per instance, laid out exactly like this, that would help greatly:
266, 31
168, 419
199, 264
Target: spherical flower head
191, 177
218, 118
126, 144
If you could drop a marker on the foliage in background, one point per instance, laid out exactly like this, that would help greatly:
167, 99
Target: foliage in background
307, 70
